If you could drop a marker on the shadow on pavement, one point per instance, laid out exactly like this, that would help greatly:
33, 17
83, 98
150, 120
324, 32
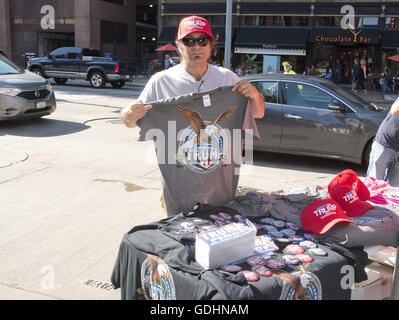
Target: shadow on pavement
40, 128
303, 163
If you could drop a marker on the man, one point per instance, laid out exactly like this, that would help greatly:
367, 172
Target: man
386, 145
194, 42
288, 68
168, 61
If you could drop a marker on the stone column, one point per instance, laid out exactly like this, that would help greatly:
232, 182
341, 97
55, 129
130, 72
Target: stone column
5, 27
87, 24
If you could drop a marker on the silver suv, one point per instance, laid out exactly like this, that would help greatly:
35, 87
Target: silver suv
23, 94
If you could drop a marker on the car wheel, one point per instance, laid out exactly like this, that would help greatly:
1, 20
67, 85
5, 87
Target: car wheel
118, 84
38, 71
97, 80
60, 80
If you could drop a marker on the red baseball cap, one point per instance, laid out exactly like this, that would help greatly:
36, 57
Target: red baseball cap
321, 215
349, 201
349, 177
193, 24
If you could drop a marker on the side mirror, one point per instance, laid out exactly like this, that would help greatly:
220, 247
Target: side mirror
337, 106
49, 56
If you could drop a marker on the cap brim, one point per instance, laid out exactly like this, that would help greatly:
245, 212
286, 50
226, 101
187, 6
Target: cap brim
362, 191
358, 209
195, 31
331, 224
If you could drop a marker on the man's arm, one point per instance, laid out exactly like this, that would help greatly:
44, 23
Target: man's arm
255, 99
395, 108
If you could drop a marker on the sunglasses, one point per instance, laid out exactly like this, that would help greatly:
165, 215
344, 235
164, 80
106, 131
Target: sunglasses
190, 42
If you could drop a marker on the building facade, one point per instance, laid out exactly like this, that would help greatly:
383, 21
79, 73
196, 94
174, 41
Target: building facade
265, 33
40, 26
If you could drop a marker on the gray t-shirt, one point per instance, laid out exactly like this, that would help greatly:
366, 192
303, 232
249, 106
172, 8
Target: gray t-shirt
175, 81
198, 139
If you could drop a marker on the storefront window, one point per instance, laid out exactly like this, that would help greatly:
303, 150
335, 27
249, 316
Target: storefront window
392, 23
327, 21
296, 21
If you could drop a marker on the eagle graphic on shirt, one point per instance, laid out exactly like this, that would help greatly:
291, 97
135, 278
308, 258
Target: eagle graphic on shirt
201, 146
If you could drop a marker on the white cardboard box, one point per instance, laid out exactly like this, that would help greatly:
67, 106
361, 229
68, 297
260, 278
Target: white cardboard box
378, 286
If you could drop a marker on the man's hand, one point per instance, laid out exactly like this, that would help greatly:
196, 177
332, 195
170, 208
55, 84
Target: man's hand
134, 112
256, 101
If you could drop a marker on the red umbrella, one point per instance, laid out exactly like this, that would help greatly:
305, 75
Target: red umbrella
394, 58
167, 47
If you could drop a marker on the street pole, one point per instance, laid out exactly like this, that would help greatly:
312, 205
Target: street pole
227, 41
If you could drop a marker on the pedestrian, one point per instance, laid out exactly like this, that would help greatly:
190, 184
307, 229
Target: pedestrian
194, 74
337, 71
361, 76
168, 61
288, 68
386, 81
385, 145
355, 74
329, 75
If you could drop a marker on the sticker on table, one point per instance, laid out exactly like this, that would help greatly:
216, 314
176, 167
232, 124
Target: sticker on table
231, 268
318, 252
276, 263
186, 227
250, 275
264, 244
307, 244
261, 270
156, 279
294, 249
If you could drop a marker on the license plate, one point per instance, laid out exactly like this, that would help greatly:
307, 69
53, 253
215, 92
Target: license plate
41, 105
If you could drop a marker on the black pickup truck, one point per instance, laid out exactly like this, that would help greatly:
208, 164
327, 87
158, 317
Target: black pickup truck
83, 63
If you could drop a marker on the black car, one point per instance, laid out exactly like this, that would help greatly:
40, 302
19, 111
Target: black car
314, 117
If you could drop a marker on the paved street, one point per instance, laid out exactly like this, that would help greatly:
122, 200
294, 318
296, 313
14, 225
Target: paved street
71, 184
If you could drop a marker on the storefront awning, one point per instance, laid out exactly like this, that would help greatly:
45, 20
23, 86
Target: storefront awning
344, 37
390, 41
274, 37
271, 51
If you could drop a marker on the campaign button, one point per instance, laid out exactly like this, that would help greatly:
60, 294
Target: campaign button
318, 252
269, 228
278, 224
238, 217
293, 226
294, 249
310, 237
290, 260
231, 268
288, 232
297, 238
275, 234
276, 263
214, 217
283, 240
250, 275
266, 220
261, 270
256, 260
304, 257
307, 244
224, 216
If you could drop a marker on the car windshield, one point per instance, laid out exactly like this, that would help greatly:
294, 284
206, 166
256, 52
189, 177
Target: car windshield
354, 99
8, 67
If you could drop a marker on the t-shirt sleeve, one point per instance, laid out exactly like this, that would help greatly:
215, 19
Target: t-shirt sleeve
149, 92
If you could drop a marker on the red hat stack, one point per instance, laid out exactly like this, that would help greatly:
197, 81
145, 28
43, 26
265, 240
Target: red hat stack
349, 177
